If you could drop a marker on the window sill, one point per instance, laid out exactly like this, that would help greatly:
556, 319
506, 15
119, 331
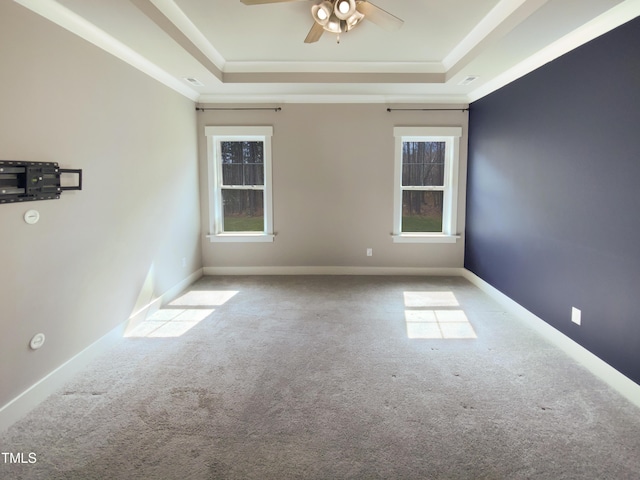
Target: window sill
424, 238
241, 237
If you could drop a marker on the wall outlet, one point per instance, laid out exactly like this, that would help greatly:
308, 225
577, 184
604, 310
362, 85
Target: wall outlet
184, 262
369, 252
576, 316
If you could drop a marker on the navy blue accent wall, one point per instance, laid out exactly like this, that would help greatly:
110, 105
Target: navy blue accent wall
553, 201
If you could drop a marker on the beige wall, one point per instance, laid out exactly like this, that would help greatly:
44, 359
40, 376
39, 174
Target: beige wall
78, 273
332, 188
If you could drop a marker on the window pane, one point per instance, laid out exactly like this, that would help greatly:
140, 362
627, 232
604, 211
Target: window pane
423, 164
253, 174
232, 174
242, 163
422, 211
243, 210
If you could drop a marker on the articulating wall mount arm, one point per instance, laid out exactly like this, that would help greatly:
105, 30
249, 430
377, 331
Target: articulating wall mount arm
30, 181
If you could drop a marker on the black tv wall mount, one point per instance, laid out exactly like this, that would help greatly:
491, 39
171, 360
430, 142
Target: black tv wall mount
30, 181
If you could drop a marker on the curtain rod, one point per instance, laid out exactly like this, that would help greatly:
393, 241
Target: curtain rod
277, 109
202, 109
427, 109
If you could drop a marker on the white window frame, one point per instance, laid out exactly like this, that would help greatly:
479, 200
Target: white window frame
451, 137
215, 135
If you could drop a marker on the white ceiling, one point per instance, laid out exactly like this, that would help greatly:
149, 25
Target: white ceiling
257, 53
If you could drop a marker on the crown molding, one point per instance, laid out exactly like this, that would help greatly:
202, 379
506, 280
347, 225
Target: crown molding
505, 16
333, 77
176, 16
335, 98
72, 22
334, 67
600, 25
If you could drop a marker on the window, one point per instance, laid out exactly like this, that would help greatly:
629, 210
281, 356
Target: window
426, 173
240, 183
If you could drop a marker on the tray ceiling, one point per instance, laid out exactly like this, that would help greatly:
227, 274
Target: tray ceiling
215, 51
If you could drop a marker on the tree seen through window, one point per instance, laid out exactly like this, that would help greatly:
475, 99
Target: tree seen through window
242, 166
423, 168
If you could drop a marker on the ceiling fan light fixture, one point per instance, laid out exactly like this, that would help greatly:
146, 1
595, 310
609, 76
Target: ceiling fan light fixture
334, 25
338, 16
345, 9
322, 12
354, 20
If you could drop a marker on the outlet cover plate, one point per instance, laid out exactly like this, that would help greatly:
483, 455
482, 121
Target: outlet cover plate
576, 316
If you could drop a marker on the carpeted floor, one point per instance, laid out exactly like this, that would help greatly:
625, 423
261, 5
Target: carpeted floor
327, 378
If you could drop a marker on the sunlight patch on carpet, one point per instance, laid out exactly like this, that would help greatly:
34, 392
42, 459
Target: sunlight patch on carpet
170, 322
426, 316
182, 314
430, 299
204, 298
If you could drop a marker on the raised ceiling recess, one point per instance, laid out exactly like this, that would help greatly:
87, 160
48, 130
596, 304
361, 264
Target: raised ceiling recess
390, 51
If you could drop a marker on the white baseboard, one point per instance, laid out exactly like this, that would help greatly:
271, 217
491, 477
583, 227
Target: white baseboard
30, 398
333, 271
34, 395
605, 372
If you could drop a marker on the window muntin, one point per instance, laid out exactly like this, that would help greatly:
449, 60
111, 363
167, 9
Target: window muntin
426, 183
240, 178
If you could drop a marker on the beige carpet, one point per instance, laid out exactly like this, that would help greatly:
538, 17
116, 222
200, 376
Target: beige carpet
327, 378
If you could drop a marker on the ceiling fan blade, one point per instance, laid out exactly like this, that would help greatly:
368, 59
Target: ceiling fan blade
314, 34
260, 2
379, 16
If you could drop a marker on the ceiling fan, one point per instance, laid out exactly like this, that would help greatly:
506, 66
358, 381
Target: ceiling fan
338, 16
